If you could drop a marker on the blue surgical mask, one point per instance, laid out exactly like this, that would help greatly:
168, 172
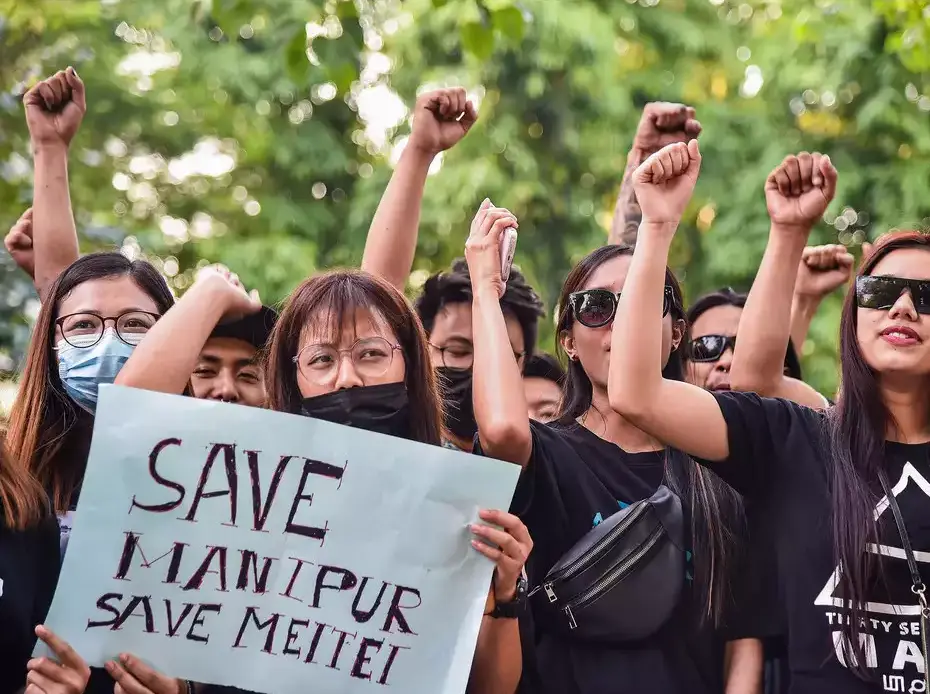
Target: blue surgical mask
84, 369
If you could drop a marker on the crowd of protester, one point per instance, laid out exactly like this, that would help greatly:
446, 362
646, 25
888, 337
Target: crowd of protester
776, 547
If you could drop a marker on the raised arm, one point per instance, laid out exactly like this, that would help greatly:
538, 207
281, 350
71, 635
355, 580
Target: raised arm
54, 110
661, 124
678, 414
440, 119
499, 402
164, 360
823, 270
797, 194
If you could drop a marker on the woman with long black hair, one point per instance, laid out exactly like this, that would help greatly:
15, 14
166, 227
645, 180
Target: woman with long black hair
591, 463
846, 490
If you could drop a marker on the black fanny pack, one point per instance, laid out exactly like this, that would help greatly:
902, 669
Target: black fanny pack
622, 581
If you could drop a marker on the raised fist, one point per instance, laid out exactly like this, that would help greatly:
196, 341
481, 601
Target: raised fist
662, 124
18, 242
822, 270
440, 119
55, 108
665, 181
799, 190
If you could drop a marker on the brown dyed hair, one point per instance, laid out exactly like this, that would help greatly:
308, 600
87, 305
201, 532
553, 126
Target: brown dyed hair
22, 500
856, 429
49, 434
335, 296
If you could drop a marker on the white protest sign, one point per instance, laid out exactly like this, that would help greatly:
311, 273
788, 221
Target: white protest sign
232, 545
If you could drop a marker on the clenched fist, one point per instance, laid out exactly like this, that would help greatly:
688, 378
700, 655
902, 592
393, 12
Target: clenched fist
18, 242
822, 270
665, 181
55, 108
663, 124
441, 118
799, 190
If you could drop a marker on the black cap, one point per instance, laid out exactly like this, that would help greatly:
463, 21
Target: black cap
254, 329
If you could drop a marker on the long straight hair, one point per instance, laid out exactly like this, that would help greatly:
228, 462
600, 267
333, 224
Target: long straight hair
716, 510
49, 434
335, 296
857, 427
22, 500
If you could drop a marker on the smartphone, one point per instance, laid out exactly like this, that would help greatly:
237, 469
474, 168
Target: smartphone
508, 246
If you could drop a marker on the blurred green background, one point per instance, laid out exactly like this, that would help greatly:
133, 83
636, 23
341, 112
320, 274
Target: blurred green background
260, 134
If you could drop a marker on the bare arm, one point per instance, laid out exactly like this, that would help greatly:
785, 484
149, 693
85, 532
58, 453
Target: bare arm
661, 124
54, 110
803, 310
744, 662
392, 237
678, 414
498, 662
441, 119
164, 360
627, 213
796, 197
499, 402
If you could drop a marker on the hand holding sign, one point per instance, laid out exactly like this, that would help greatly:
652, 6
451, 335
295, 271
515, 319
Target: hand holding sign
68, 676
515, 545
132, 676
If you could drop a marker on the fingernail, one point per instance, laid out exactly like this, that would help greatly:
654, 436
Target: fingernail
475, 544
474, 527
124, 658
484, 513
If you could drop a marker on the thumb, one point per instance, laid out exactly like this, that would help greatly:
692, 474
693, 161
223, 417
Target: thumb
256, 299
694, 151
78, 94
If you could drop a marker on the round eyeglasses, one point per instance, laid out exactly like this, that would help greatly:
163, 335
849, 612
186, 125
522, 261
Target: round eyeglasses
84, 330
371, 357
460, 357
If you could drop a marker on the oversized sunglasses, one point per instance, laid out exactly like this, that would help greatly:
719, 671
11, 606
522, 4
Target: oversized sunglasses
710, 347
881, 292
595, 308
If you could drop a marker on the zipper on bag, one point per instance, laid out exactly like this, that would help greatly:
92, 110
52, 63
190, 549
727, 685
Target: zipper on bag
609, 579
597, 551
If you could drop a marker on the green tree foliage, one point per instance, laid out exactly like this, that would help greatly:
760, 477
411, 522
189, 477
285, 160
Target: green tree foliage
280, 98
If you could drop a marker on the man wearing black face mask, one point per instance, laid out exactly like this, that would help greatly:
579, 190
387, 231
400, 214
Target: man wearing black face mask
445, 309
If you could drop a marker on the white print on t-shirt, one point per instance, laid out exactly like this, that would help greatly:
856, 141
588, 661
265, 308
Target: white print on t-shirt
1, 587
907, 651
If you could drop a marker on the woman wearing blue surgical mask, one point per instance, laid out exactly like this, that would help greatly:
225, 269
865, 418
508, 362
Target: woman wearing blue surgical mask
93, 317
348, 348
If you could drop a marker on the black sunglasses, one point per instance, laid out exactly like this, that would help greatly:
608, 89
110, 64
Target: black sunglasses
595, 308
710, 347
881, 292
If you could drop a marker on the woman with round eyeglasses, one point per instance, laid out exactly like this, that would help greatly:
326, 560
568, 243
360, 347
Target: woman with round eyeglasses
347, 348
589, 464
95, 314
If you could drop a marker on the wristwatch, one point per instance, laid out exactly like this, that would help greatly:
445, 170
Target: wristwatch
514, 608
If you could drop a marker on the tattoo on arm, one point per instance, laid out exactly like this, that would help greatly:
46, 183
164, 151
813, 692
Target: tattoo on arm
627, 214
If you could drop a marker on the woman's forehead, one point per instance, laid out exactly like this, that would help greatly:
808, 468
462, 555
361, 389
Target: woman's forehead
909, 263
610, 275
328, 327
108, 296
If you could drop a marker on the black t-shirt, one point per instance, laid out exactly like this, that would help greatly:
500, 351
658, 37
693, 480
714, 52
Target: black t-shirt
779, 457
28, 573
575, 480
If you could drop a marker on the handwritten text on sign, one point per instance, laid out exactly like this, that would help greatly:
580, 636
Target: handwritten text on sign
239, 546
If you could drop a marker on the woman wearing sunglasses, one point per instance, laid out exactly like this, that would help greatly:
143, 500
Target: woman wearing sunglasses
847, 489
590, 463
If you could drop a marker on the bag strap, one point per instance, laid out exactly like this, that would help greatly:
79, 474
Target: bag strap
917, 584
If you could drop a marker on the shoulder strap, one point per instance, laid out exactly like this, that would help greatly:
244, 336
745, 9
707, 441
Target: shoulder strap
919, 588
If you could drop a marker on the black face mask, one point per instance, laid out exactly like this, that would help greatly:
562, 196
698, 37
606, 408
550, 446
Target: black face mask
383, 409
456, 395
